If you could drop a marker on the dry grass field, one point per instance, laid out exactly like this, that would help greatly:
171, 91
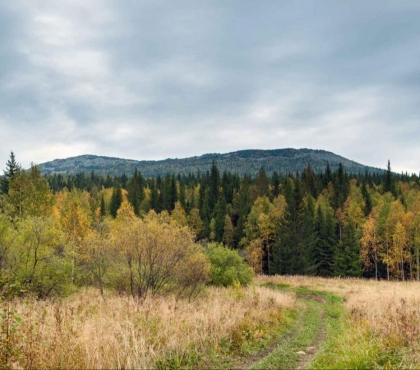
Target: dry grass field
84, 331
379, 327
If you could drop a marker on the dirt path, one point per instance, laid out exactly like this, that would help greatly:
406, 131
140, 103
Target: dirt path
297, 348
289, 335
311, 351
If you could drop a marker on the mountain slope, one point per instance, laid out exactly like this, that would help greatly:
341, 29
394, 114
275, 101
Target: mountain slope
283, 161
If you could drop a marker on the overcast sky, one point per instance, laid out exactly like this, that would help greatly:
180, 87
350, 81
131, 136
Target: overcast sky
150, 79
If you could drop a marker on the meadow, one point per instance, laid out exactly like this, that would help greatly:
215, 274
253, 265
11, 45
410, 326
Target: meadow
380, 324
88, 331
377, 326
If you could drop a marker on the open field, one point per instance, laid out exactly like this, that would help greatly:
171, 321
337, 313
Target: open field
339, 323
84, 331
380, 325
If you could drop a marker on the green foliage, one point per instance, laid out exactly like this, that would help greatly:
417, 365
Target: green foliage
388, 181
156, 255
291, 249
341, 185
295, 224
29, 194
42, 266
116, 200
227, 266
12, 169
323, 253
102, 209
136, 191
347, 260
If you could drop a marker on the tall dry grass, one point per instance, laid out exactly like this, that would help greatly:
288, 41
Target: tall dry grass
382, 317
84, 331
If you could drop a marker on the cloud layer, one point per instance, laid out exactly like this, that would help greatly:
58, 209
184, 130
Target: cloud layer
154, 79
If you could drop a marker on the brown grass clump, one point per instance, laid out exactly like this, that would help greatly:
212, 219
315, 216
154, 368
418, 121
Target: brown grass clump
84, 331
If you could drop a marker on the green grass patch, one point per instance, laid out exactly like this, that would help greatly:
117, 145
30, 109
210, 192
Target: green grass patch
306, 292
304, 334
232, 351
316, 308
279, 286
353, 347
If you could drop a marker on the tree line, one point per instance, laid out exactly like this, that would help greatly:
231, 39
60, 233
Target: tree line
327, 224
52, 242
88, 229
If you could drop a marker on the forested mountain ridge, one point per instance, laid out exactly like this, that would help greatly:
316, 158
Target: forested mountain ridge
282, 161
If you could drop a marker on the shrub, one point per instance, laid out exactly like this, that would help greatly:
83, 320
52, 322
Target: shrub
158, 255
227, 266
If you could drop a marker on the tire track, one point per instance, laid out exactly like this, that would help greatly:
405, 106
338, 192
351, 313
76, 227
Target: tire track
297, 348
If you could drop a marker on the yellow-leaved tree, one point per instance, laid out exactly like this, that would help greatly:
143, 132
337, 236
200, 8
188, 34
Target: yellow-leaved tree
370, 246
41, 263
399, 253
260, 230
29, 194
179, 215
160, 255
76, 226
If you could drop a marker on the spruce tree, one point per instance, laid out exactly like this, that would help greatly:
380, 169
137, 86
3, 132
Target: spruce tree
102, 207
327, 176
309, 181
310, 236
135, 187
173, 193
262, 183
322, 258
292, 229
227, 186
241, 208
367, 198
214, 184
347, 260
388, 181
154, 196
219, 218
275, 183
116, 200
12, 169
182, 197
341, 185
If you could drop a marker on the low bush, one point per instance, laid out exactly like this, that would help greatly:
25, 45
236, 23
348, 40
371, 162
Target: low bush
227, 266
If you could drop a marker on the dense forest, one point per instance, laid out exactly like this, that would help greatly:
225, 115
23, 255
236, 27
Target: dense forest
138, 235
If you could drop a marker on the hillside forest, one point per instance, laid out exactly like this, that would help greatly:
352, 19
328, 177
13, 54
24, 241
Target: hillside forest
141, 236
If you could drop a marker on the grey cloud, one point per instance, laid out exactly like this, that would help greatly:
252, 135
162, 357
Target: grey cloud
155, 79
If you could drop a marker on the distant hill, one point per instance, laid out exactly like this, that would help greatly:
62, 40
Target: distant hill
283, 161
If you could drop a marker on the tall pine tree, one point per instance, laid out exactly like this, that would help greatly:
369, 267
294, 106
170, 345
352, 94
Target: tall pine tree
12, 169
116, 200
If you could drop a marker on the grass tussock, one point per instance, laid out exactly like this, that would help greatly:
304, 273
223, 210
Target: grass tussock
84, 331
381, 326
